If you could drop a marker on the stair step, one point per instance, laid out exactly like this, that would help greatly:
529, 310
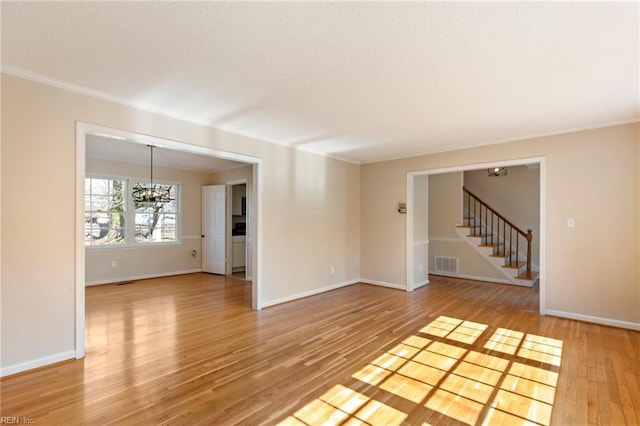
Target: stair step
532, 276
516, 265
503, 255
489, 245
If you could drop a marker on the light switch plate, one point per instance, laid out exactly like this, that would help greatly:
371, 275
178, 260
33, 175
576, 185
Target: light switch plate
571, 222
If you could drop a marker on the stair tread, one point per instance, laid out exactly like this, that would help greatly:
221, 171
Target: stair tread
515, 265
532, 277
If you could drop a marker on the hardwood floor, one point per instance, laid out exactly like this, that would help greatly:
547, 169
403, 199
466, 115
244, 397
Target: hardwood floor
189, 350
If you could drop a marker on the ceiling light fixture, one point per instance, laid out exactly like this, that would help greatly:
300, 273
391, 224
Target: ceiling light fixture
497, 171
151, 193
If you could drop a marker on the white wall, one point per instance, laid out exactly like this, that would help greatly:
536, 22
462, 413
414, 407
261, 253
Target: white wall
592, 270
147, 261
420, 230
310, 211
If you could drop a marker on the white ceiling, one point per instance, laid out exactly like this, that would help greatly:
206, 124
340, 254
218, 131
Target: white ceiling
132, 151
362, 81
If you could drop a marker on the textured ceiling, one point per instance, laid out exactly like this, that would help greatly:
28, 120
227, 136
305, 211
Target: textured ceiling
362, 81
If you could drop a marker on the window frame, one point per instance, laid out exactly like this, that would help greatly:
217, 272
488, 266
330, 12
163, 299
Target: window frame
130, 214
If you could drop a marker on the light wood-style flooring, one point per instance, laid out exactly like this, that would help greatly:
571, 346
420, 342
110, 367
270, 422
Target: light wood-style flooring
189, 350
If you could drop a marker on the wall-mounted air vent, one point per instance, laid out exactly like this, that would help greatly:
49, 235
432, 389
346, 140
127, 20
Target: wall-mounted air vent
447, 265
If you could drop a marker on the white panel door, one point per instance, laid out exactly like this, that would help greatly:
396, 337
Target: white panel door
214, 229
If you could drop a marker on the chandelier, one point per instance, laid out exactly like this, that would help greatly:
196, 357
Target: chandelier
151, 193
497, 171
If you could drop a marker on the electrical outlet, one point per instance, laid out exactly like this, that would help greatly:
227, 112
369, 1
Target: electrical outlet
333, 269
114, 263
421, 267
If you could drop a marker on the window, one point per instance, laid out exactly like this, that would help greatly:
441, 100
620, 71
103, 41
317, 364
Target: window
112, 218
104, 211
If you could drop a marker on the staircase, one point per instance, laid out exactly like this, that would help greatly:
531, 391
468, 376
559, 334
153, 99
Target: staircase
499, 241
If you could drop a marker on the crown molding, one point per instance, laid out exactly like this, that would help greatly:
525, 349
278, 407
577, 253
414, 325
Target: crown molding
98, 94
87, 91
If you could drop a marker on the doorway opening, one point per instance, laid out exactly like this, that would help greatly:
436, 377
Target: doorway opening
83, 132
239, 241
418, 206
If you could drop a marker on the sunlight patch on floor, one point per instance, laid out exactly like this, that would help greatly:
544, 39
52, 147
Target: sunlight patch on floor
455, 329
342, 405
443, 372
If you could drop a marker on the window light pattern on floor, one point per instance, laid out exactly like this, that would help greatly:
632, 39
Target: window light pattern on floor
441, 374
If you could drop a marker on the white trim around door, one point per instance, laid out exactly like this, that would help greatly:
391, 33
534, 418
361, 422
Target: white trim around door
82, 129
542, 161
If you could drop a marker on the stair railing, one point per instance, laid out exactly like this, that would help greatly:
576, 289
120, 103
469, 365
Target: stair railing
481, 213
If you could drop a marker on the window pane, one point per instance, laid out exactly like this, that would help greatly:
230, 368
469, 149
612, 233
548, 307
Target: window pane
100, 186
117, 201
99, 203
152, 225
104, 211
172, 206
168, 227
104, 228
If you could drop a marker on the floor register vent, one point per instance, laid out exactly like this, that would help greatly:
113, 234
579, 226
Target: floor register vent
448, 265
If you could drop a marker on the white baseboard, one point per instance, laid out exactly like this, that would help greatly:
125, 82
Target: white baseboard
36, 363
595, 320
141, 277
420, 284
383, 284
472, 277
308, 293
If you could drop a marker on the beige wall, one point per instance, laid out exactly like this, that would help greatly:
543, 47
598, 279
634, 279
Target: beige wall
516, 196
445, 213
310, 212
382, 228
234, 174
445, 204
591, 270
135, 262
